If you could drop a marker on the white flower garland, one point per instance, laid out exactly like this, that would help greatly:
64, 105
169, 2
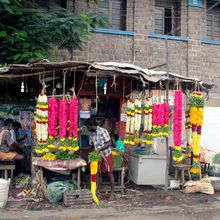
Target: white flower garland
42, 119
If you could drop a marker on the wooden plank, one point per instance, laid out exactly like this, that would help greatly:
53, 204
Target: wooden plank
7, 167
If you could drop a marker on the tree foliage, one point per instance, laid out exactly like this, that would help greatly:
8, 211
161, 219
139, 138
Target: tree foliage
28, 33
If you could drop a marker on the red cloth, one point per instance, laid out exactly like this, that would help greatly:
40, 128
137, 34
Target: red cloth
106, 165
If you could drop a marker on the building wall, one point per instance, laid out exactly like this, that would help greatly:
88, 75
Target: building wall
187, 55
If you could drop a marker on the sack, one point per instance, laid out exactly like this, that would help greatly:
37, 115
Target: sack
4, 188
55, 191
120, 146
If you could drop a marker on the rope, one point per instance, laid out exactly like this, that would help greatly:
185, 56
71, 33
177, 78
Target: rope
64, 81
81, 84
96, 92
123, 91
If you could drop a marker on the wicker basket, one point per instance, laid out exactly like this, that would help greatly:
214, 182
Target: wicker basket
77, 197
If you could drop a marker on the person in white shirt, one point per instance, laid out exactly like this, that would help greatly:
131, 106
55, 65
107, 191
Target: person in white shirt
14, 132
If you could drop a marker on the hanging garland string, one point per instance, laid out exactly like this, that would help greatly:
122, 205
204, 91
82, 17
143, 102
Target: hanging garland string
52, 121
41, 124
161, 120
129, 135
137, 120
147, 135
63, 118
94, 159
73, 122
155, 118
177, 126
188, 127
166, 110
196, 119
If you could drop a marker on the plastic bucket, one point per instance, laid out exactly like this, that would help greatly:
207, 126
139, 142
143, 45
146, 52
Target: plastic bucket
4, 188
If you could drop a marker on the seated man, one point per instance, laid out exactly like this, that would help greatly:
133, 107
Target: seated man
8, 148
15, 132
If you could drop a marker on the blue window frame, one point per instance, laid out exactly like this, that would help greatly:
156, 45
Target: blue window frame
195, 3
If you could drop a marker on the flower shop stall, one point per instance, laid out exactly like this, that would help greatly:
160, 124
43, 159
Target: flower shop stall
141, 100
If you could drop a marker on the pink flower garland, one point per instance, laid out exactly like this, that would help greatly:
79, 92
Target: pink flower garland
76, 115
155, 115
52, 116
160, 115
177, 127
73, 117
166, 110
63, 117
73, 124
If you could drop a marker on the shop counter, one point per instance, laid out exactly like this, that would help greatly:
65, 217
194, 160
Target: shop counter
148, 169
64, 167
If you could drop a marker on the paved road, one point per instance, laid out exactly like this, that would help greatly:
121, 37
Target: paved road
198, 212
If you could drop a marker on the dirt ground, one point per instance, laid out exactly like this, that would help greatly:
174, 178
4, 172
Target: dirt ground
138, 197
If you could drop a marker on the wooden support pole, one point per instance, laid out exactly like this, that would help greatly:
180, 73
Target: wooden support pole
167, 144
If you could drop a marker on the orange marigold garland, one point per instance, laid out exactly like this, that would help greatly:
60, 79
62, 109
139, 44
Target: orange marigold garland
196, 119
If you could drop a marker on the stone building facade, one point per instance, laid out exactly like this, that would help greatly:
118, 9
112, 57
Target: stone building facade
190, 52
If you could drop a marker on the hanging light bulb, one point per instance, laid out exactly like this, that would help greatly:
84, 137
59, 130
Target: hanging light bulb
22, 87
105, 87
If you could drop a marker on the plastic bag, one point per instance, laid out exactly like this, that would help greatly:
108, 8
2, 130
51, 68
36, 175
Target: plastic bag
120, 146
55, 191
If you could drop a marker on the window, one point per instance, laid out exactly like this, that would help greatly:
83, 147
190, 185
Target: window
47, 3
213, 27
167, 17
116, 11
195, 3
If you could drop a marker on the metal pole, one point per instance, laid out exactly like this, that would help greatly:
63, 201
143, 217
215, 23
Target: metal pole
167, 144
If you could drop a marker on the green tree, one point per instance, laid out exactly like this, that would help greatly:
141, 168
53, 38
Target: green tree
28, 33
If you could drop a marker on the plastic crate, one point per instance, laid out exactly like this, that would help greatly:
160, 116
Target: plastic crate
117, 161
77, 197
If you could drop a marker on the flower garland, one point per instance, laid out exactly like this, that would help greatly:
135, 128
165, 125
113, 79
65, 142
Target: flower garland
129, 135
177, 126
94, 162
137, 120
147, 135
161, 120
63, 117
155, 122
73, 123
196, 119
188, 127
41, 124
52, 121
166, 110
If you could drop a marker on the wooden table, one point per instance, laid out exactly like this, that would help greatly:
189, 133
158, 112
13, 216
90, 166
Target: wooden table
64, 167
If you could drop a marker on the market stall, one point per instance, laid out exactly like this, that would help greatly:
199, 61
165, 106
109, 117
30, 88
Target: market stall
145, 108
